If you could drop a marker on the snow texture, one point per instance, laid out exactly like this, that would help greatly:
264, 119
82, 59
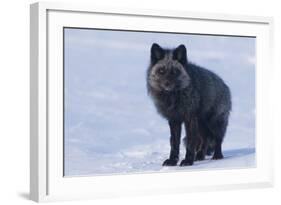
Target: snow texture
111, 124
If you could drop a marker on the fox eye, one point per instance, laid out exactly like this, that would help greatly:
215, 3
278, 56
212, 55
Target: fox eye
161, 70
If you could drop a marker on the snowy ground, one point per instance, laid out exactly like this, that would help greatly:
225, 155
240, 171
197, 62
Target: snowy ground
111, 125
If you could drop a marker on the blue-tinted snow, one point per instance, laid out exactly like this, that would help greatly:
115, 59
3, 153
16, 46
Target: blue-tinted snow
111, 125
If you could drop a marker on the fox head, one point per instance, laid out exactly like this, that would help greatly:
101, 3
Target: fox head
167, 71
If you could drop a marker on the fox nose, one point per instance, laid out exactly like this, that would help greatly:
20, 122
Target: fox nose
167, 84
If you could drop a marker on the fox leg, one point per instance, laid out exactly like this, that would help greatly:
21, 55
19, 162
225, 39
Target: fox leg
200, 155
192, 132
175, 131
205, 141
218, 126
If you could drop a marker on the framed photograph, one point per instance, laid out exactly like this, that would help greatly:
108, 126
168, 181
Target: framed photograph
130, 102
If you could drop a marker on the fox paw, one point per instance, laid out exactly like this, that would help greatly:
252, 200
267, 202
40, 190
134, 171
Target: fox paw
170, 162
186, 162
217, 156
200, 156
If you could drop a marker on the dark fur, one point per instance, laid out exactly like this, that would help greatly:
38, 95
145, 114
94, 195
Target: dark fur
185, 93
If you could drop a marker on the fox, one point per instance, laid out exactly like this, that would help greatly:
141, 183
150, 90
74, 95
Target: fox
190, 95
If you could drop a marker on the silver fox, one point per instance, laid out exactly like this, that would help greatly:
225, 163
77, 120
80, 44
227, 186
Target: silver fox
185, 93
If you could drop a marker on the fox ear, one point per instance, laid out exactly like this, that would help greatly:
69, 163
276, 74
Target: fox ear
157, 53
179, 54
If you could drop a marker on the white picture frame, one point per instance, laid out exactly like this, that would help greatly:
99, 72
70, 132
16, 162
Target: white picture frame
46, 171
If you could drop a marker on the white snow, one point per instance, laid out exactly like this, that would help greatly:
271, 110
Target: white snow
111, 125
